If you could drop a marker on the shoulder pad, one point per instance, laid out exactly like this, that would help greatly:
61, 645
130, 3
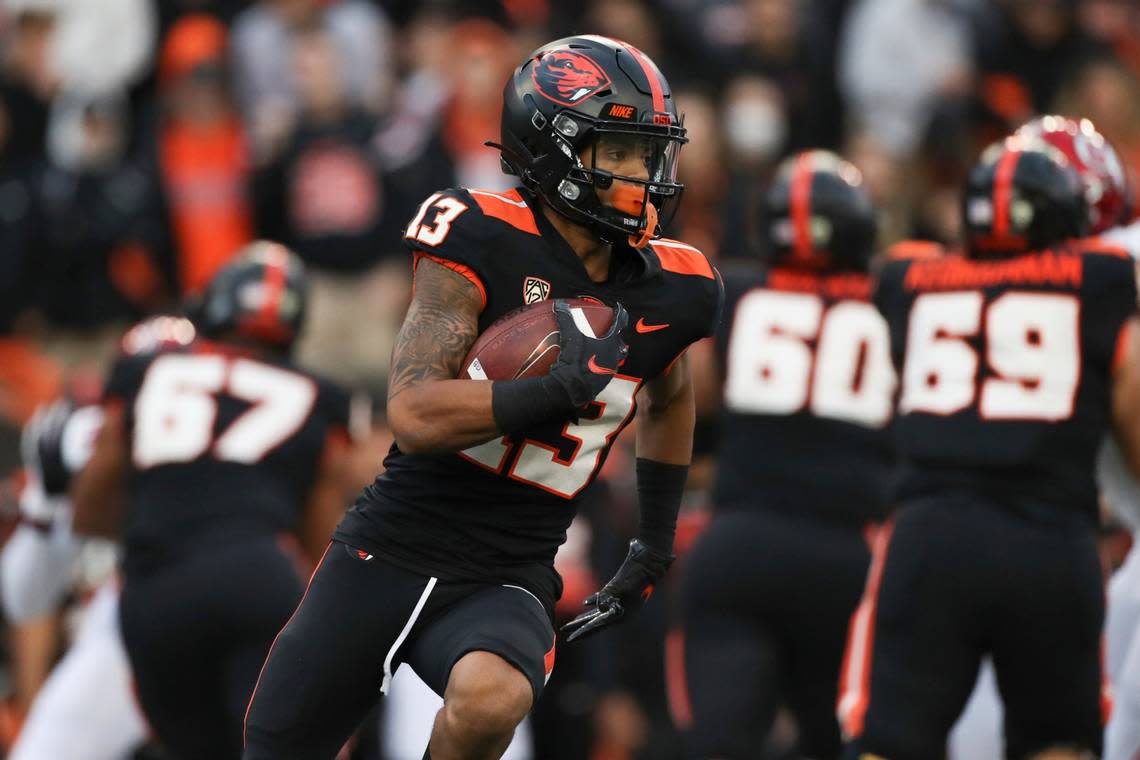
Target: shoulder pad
157, 334
509, 207
1100, 246
475, 214
915, 249
681, 258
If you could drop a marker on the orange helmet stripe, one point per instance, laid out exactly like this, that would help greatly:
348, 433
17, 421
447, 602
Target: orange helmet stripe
800, 207
1003, 183
654, 82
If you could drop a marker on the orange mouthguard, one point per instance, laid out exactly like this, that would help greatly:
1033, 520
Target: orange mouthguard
631, 200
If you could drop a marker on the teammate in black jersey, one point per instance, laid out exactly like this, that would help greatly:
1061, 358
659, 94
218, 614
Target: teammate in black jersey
1014, 362
212, 456
805, 456
446, 561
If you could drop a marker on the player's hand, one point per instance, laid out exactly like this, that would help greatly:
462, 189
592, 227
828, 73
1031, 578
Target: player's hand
624, 594
586, 365
42, 446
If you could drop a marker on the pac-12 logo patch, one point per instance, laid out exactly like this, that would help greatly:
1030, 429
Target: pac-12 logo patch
567, 77
535, 289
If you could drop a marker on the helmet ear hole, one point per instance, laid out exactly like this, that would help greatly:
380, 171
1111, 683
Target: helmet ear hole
569, 190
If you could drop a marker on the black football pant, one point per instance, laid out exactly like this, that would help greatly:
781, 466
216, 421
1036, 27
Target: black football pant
360, 618
959, 577
766, 602
196, 633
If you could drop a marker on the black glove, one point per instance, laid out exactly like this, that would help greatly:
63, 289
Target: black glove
625, 593
586, 365
583, 369
42, 445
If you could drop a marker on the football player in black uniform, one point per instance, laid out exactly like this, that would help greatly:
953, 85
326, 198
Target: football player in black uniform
1014, 362
211, 457
446, 561
805, 459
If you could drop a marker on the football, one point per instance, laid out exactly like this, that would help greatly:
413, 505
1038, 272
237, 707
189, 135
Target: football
524, 342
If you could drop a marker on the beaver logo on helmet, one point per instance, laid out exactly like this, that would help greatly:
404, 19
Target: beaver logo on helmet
567, 77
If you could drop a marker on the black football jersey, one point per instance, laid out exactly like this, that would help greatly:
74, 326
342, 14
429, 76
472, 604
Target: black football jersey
1005, 370
808, 397
499, 511
223, 445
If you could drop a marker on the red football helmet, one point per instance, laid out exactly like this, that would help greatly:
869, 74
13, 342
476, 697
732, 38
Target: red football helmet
1107, 187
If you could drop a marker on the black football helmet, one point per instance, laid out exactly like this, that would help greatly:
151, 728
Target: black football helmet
571, 93
818, 216
260, 295
1022, 195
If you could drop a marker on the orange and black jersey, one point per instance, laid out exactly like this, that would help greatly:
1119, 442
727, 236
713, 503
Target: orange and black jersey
499, 511
224, 446
808, 397
1005, 370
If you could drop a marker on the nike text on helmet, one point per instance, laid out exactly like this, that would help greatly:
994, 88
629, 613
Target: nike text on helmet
261, 295
818, 216
1022, 195
1108, 189
568, 95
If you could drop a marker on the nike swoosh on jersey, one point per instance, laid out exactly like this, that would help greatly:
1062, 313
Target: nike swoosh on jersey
598, 369
641, 327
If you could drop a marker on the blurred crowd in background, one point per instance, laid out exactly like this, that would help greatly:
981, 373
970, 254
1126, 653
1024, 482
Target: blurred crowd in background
143, 142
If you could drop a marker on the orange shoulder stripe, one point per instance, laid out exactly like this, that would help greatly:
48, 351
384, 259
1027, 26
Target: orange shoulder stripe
509, 207
454, 266
915, 249
1100, 245
682, 258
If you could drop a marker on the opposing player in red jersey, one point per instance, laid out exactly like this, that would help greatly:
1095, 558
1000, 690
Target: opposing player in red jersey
1014, 362
446, 560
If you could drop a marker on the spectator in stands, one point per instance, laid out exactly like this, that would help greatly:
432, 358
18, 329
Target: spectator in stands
895, 102
789, 43
91, 270
201, 153
262, 51
68, 43
755, 124
325, 197
483, 57
25, 80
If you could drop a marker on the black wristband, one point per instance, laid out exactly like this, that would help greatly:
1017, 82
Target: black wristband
660, 487
519, 404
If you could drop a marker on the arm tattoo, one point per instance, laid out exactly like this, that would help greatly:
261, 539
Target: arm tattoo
440, 327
